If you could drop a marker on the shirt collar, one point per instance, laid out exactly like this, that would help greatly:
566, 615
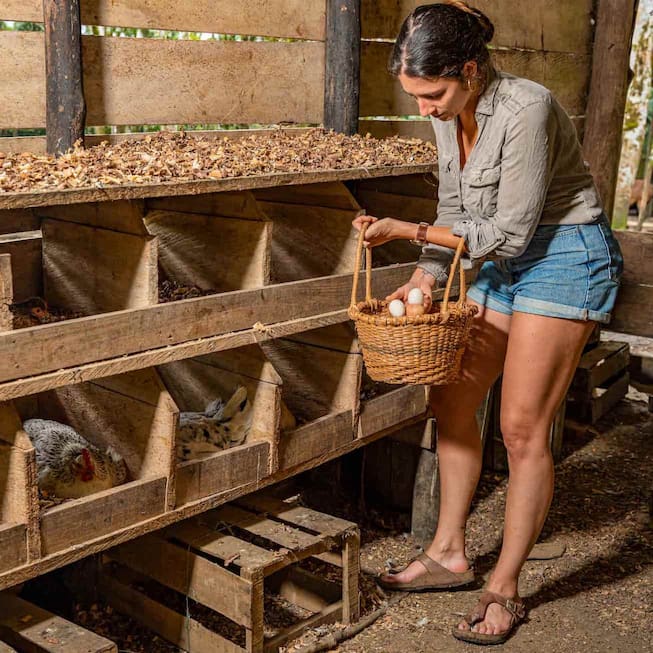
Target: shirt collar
486, 101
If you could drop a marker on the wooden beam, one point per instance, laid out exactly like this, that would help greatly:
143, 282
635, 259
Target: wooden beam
65, 104
607, 94
342, 65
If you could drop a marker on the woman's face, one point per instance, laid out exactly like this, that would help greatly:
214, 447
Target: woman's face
443, 98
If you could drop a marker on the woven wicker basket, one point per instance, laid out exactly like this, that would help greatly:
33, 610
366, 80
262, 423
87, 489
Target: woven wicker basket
422, 350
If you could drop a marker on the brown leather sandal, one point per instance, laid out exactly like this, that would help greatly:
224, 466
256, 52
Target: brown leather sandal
436, 577
517, 612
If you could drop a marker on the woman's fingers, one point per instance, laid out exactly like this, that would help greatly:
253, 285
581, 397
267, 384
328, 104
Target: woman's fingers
400, 293
360, 220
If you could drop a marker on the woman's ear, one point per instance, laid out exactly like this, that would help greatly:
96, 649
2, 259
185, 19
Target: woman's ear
470, 70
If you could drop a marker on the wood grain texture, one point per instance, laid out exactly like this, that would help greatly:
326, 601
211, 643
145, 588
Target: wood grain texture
637, 250
282, 18
539, 24
213, 81
6, 293
90, 270
566, 75
607, 94
388, 410
26, 265
123, 216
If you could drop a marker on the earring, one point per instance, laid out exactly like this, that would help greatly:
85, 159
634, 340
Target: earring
469, 83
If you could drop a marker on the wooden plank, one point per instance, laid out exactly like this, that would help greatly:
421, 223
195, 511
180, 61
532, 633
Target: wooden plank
26, 265
180, 569
414, 209
419, 434
283, 18
599, 365
13, 546
298, 542
606, 103
225, 471
593, 409
81, 520
5, 648
198, 187
637, 250
350, 576
391, 408
182, 631
93, 270
315, 439
124, 216
265, 91
65, 105
212, 252
566, 75
124, 332
30, 628
633, 312
540, 24
6, 293
235, 204
223, 547
342, 65
296, 515
334, 195
305, 589
17, 221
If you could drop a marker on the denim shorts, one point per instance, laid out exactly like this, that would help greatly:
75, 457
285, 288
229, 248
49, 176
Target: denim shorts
567, 271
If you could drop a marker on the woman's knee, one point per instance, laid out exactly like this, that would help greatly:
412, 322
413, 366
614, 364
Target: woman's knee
524, 435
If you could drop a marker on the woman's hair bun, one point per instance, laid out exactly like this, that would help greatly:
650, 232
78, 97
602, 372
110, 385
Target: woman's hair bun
487, 28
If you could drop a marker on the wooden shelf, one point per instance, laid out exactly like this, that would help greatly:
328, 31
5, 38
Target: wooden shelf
196, 187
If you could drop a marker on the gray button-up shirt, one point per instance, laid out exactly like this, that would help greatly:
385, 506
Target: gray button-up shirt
525, 169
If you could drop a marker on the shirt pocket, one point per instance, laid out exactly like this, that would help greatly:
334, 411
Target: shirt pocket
483, 191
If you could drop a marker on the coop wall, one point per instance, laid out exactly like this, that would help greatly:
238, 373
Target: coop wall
270, 82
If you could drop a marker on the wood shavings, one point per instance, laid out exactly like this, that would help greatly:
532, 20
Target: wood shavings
178, 156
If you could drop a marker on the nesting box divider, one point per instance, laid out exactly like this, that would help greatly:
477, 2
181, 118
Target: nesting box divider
194, 383
6, 293
134, 414
321, 373
19, 526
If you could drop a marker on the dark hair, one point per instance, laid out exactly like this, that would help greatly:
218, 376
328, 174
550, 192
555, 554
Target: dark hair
437, 40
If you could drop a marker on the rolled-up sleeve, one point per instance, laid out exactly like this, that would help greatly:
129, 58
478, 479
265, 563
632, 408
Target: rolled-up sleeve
435, 259
525, 175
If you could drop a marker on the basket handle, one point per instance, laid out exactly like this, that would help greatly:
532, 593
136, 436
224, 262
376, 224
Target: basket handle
357, 267
463, 289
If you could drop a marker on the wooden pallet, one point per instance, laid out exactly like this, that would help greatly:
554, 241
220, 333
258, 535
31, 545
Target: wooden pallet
601, 380
223, 559
26, 628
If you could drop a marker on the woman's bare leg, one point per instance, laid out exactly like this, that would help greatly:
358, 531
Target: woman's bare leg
542, 355
459, 445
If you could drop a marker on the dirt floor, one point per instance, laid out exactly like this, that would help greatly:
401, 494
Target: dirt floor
596, 598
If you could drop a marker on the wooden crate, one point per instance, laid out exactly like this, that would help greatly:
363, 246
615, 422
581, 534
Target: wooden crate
321, 372
28, 627
225, 558
195, 382
18, 514
131, 412
600, 381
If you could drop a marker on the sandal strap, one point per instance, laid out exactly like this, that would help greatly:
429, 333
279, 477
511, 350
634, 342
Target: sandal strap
516, 609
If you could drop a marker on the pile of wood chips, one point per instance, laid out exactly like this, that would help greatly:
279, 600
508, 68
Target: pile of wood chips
181, 156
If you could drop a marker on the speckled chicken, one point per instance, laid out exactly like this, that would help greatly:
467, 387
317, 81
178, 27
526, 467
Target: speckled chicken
68, 465
219, 427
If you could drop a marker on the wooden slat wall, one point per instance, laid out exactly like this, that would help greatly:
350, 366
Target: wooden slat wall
279, 18
155, 81
557, 25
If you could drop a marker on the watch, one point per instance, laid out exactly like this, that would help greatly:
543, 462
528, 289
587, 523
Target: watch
420, 238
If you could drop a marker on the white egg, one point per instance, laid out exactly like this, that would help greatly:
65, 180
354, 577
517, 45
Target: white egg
416, 296
397, 308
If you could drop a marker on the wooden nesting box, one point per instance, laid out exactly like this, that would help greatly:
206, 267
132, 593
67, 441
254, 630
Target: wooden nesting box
194, 383
226, 559
134, 414
384, 406
321, 371
18, 513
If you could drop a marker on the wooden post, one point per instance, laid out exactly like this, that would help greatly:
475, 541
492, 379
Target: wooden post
65, 105
342, 66
607, 95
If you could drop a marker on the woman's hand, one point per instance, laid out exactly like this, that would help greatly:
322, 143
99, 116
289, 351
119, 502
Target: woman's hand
420, 279
382, 231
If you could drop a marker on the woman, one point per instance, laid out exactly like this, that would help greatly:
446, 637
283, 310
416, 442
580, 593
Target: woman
514, 186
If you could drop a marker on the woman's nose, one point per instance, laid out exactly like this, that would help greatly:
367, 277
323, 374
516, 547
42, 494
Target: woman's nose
425, 108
